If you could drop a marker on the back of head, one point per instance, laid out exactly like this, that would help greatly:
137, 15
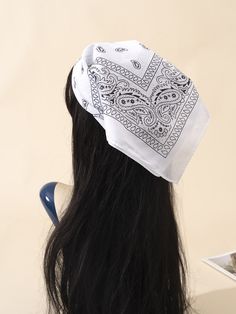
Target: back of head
117, 248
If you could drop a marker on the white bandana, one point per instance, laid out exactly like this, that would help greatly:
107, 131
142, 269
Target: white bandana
149, 109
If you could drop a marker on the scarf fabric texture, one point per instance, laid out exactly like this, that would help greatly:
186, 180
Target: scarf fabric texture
149, 109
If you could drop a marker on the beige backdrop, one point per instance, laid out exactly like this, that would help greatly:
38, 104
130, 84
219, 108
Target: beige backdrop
40, 41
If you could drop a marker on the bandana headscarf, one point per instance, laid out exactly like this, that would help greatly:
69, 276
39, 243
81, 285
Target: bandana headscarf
150, 110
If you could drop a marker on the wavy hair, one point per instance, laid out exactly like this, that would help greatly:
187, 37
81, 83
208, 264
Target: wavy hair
117, 248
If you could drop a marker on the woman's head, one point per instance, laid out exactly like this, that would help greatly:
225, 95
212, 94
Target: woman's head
117, 248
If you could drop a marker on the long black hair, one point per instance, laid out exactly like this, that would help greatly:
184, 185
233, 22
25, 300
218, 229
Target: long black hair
117, 248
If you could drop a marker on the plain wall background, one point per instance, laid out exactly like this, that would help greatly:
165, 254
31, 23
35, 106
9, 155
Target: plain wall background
40, 41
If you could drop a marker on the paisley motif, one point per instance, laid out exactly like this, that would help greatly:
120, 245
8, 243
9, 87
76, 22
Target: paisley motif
100, 49
121, 49
85, 103
136, 64
136, 106
175, 76
167, 104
